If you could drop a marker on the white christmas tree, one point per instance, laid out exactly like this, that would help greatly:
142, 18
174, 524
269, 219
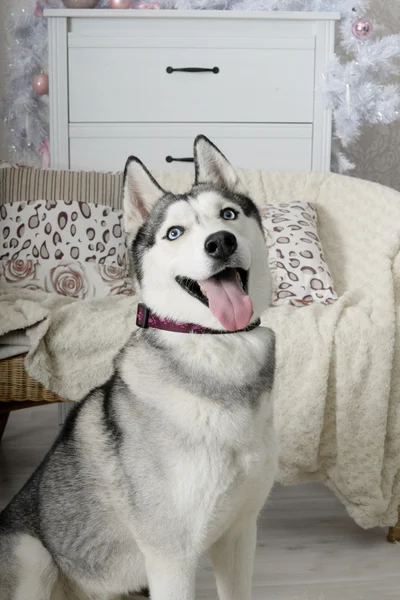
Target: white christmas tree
362, 89
26, 112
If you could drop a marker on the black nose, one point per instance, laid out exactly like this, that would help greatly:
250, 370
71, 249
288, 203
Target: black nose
221, 244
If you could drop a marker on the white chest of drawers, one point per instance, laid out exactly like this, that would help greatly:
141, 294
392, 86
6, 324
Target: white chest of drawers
147, 82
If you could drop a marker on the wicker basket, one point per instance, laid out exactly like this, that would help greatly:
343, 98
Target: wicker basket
17, 386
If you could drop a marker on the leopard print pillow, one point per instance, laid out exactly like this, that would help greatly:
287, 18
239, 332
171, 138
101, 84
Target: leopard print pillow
75, 249
299, 271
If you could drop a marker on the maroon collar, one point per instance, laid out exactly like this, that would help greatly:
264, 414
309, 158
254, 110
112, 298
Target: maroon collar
146, 319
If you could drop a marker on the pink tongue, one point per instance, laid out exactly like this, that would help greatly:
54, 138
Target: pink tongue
228, 302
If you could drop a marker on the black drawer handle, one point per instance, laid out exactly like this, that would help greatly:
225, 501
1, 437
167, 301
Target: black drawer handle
193, 70
171, 159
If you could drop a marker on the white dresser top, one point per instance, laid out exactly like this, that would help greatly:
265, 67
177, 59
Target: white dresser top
192, 14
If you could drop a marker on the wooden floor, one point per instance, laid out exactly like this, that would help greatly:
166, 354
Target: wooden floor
309, 549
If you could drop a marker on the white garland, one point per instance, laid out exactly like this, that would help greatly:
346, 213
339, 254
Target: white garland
360, 89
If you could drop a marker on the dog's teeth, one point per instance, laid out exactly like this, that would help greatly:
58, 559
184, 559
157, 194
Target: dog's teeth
239, 279
203, 291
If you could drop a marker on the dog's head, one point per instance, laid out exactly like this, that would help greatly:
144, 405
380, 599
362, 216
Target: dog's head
199, 257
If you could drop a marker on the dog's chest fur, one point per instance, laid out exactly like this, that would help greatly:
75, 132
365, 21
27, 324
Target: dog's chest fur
201, 419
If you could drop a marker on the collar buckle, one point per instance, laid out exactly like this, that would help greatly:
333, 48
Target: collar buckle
142, 317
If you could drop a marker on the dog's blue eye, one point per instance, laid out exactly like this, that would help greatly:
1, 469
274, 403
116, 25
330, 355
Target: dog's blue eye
174, 233
229, 214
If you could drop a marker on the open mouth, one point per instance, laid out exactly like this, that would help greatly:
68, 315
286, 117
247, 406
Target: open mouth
198, 291
226, 294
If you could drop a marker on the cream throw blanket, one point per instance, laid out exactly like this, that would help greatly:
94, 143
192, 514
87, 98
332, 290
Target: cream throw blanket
337, 406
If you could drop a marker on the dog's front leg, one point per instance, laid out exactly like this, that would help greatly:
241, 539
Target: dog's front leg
171, 578
233, 560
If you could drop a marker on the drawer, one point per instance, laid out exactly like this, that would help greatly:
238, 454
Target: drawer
272, 147
124, 80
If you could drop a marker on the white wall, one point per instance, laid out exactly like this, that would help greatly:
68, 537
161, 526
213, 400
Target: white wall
3, 151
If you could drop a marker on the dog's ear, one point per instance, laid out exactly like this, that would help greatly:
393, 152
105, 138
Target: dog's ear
140, 192
211, 166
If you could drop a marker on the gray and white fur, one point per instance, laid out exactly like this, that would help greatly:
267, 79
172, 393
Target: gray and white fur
175, 455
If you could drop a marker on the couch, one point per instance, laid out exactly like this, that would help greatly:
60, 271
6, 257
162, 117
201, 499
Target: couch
338, 367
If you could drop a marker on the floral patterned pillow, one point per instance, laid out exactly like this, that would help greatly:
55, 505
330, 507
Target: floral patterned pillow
299, 271
75, 249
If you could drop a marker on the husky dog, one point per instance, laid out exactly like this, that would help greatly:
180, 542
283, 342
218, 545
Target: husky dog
175, 455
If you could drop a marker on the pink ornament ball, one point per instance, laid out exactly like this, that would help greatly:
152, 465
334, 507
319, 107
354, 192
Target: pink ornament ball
120, 3
40, 84
362, 29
